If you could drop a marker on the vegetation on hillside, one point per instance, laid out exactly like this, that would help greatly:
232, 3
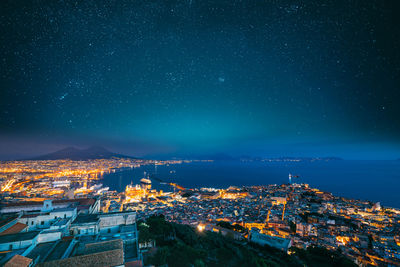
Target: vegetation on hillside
183, 246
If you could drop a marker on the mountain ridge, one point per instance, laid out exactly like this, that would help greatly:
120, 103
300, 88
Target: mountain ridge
73, 153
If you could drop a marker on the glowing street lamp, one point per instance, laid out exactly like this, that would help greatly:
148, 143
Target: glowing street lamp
200, 227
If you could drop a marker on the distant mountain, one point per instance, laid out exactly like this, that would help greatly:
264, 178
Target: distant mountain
94, 152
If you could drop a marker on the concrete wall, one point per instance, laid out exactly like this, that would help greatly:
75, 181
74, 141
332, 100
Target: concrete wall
273, 241
108, 220
9, 209
64, 213
49, 236
110, 229
38, 222
84, 230
44, 221
17, 244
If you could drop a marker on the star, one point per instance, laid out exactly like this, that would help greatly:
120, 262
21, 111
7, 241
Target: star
62, 97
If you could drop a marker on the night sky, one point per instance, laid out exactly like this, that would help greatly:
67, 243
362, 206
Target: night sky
265, 78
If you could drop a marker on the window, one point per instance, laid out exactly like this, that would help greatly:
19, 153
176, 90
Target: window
31, 222
65, 216
42, 223
10, 247
109, 230
55, 217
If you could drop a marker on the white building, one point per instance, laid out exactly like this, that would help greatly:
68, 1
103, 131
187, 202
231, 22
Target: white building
272, 241
91, 224
43, 220
18, 241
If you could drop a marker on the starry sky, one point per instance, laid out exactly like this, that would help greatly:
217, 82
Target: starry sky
255, 77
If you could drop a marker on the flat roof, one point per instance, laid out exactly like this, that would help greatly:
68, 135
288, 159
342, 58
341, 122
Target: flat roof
30, 215
102, 246
61, 222
107, 258
109, 253
59, 250
18, 237
85, 218
50, 231
118, 213
82, 201
41, 250
63, 209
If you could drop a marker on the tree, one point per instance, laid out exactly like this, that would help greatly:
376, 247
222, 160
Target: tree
160, 257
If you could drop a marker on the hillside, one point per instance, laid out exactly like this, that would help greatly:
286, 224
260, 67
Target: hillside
181, 245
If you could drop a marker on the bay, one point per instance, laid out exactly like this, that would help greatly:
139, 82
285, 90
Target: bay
367, 180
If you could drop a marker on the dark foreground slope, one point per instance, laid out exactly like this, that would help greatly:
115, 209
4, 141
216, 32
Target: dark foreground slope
181, 245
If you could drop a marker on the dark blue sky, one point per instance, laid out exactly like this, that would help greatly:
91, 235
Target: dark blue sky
267, 78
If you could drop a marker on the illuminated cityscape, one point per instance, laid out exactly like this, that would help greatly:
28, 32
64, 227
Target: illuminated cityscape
199, 133
63, 205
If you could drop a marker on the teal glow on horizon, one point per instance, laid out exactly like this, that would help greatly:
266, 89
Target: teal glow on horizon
166, 77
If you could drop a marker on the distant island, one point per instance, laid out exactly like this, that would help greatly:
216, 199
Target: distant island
72, 153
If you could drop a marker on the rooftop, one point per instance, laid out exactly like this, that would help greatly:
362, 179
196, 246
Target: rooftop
6, 221
16, 228
81, 201
41, 250
109, 253
31, 215
18, 237
63, 209
102, 246
59, 250
106, 258
18, 261
61, 222
85, 218
118, 213
137, 263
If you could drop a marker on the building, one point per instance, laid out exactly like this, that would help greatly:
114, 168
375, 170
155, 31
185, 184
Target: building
278, 200
303, 229
91, 224
43, 220
83, 205
18, 241
273, 241
223, 231
145, 183
108, 253
71, 232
